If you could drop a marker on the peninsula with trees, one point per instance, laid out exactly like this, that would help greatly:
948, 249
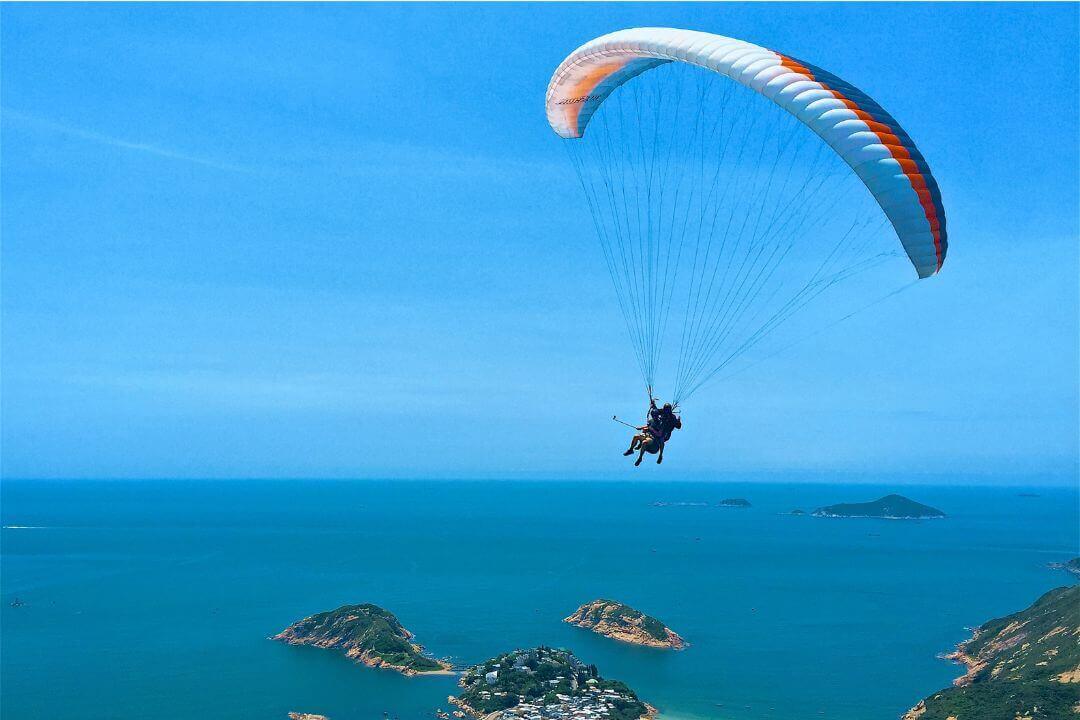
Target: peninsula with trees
1024, 665
545, 684
890, 507
366, 633
622, 622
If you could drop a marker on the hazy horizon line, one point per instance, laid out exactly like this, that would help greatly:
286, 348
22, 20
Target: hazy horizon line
1004, 480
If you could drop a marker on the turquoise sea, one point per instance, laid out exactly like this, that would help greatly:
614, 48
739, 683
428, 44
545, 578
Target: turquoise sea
154, 599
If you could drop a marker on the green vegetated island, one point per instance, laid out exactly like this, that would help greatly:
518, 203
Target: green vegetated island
1025, 666
545, 684
366, 633
622, 622
890, 507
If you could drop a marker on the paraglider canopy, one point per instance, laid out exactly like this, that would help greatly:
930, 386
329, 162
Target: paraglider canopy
739, 200
868, 139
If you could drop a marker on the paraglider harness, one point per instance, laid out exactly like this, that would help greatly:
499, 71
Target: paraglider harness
656, 435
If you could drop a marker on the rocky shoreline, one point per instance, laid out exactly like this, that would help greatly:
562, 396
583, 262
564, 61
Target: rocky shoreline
1023, 665
470, 710
972, 666
367, 634
365, 657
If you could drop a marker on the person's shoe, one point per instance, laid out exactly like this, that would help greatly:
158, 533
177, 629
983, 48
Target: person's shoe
628, 453
638, 462
659, 459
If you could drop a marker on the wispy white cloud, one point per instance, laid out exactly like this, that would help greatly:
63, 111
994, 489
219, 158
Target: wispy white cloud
103, 139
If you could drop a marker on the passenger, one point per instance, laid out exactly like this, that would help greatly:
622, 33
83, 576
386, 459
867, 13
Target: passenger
652, 436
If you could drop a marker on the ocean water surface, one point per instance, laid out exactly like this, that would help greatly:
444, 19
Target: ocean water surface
156, 598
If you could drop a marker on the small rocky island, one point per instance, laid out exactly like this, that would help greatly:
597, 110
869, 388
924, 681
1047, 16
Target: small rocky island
890, 507
622, 622
1073, 566
1024, 665
366, 633
734, 502
545, 684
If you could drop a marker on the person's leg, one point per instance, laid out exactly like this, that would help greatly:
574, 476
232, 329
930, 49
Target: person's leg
660, 457
641, 453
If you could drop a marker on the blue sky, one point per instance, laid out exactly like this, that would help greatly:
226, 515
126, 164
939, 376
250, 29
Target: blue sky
331, 241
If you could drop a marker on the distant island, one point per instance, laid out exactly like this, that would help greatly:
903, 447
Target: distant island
1025, 665
890, 507
1072, 566
662, 503
306, 716
622, 622
545, 684
797, 511
366, 633
734, 502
